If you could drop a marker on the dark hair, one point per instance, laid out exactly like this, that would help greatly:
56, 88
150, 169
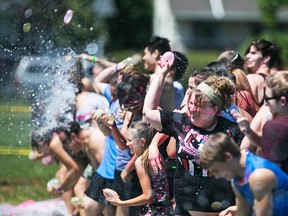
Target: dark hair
133, 86
268, 48
201, 75
158, 43
220, 69
180, 65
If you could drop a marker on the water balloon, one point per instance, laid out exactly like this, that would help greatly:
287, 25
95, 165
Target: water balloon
68, 16
28, 13
92, 48
26, 27
168, 56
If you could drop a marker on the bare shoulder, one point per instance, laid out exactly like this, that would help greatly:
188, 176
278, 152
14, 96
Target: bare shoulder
262, 180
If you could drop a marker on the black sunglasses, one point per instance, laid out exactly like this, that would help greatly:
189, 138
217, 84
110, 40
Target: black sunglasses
266, 98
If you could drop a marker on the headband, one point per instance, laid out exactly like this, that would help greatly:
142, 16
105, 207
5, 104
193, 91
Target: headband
209, 92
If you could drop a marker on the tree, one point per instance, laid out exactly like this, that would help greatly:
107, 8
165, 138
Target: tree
269, 9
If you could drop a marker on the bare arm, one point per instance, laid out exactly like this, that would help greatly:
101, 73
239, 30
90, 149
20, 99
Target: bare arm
154, 154
73, 170
145, 185
245, 128
150, 112
262, 183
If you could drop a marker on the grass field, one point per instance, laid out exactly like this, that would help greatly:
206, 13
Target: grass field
20, 178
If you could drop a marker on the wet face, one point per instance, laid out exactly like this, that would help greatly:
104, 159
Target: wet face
135, 144
271, 101
77, 141
254, 59
191, 83
150, 60
203, 114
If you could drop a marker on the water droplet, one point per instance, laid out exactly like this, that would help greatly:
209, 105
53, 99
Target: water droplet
26, 27
28, 13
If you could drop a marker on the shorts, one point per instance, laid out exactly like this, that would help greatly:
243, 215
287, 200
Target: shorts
123, 189
98, 183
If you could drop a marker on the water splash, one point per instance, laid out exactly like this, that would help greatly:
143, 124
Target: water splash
54, 101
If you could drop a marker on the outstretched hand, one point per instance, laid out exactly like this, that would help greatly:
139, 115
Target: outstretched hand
111, 196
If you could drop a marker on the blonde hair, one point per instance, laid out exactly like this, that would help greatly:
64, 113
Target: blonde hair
141, 129
278, 82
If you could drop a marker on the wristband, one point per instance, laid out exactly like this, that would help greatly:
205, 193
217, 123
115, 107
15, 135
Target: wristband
60, 190
114, 125
116, 69
93, 59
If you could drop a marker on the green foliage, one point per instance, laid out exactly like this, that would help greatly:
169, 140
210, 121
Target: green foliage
269, 9
47, 24
15, 129
131, 27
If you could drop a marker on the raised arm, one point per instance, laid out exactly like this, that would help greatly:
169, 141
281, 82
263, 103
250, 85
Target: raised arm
150, 111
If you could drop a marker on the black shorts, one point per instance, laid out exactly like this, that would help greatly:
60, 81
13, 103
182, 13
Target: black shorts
123, 189
98, 183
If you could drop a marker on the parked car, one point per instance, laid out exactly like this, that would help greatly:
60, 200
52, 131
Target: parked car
33, 74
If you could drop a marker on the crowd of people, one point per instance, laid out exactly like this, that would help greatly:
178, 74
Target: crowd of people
142, 144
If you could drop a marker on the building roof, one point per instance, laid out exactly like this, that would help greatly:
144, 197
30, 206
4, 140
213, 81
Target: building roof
230, 10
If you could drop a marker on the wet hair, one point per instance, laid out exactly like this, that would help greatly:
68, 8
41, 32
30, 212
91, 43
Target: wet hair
268, 48
44, 135
158, 43
141, 129
223, 87
180, 65
232, 59
133, 86
215, 147
220, 69
278, 82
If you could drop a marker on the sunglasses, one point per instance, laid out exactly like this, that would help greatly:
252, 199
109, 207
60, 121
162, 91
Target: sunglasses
266, 98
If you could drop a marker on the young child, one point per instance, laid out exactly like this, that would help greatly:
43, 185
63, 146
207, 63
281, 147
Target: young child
154, 186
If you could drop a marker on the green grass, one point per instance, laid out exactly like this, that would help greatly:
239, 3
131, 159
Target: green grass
20, 178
